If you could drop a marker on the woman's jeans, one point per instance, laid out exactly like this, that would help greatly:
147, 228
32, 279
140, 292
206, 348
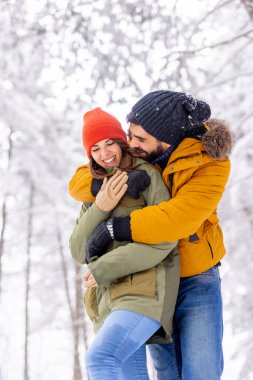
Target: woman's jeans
196, 353
118, 351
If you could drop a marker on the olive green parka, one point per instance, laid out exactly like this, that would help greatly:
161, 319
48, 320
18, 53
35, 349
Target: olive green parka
130, 276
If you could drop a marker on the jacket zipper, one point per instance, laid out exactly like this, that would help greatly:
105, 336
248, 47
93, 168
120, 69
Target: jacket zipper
171, 176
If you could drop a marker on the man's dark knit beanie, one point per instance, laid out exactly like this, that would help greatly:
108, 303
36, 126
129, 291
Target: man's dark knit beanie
170, 116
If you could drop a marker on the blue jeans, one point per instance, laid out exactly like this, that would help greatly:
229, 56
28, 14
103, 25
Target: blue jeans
196, 352
118, 351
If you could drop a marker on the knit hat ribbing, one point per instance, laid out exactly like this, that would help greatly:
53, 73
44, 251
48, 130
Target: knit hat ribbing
169, 115
100, 125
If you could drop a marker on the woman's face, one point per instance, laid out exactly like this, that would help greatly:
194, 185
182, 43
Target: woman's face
106, 153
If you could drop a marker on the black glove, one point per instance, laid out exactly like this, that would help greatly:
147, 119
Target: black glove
99, 241
95, 186
138, 181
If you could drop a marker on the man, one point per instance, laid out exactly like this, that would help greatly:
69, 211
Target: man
172, 130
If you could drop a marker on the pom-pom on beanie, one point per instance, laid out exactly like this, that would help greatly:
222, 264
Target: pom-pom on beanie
169, 116
100, 125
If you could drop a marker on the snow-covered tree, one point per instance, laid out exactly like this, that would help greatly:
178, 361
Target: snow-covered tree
58, 59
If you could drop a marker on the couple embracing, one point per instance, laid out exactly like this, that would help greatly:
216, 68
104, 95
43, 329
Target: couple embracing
149, 232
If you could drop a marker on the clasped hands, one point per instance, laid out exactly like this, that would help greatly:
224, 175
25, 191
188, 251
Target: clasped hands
110, 191
107, 198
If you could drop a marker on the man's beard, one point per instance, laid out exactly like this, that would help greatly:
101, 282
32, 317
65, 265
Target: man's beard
151, 156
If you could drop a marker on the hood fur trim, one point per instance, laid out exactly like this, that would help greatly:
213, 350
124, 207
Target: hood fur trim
218, 139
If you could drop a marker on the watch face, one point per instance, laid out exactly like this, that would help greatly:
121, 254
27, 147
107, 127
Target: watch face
110, 228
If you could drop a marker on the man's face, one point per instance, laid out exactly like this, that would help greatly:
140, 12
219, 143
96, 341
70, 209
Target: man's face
145, 145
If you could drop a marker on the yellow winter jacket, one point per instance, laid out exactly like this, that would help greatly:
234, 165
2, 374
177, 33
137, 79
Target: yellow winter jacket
196, 175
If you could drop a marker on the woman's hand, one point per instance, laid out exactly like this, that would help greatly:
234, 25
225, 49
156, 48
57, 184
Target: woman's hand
89, 280
112, 191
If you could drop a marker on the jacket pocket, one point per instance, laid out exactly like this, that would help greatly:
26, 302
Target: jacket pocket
90, 301
137, 284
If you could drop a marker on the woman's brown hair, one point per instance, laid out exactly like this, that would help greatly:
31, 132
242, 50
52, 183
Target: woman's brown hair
127, 162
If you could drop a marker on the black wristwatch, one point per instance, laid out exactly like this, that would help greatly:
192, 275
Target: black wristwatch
109, 226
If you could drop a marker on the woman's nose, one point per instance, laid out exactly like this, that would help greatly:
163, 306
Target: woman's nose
104, 152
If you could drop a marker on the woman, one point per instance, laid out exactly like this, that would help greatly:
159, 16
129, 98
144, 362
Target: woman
137, 284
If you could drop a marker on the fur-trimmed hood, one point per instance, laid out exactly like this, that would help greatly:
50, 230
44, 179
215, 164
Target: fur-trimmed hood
218, 139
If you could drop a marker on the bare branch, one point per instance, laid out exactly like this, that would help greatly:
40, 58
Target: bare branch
249, 7
230, 60
226, 42
27, 281
234, 77
216, 8
4, 211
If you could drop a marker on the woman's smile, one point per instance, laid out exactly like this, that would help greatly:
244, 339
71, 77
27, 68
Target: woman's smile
110, 161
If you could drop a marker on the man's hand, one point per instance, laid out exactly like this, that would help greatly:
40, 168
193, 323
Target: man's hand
138, 181
98, 242
89, 280
112, 191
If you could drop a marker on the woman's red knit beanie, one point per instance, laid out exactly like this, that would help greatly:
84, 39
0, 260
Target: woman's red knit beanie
100, 125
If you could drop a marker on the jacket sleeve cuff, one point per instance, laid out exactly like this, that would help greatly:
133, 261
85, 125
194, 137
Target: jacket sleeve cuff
122, 229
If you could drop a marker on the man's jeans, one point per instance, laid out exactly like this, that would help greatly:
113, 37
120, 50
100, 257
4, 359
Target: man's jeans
196, 353
118, 351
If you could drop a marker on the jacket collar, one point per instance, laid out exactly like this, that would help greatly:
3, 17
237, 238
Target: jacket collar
217, 142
